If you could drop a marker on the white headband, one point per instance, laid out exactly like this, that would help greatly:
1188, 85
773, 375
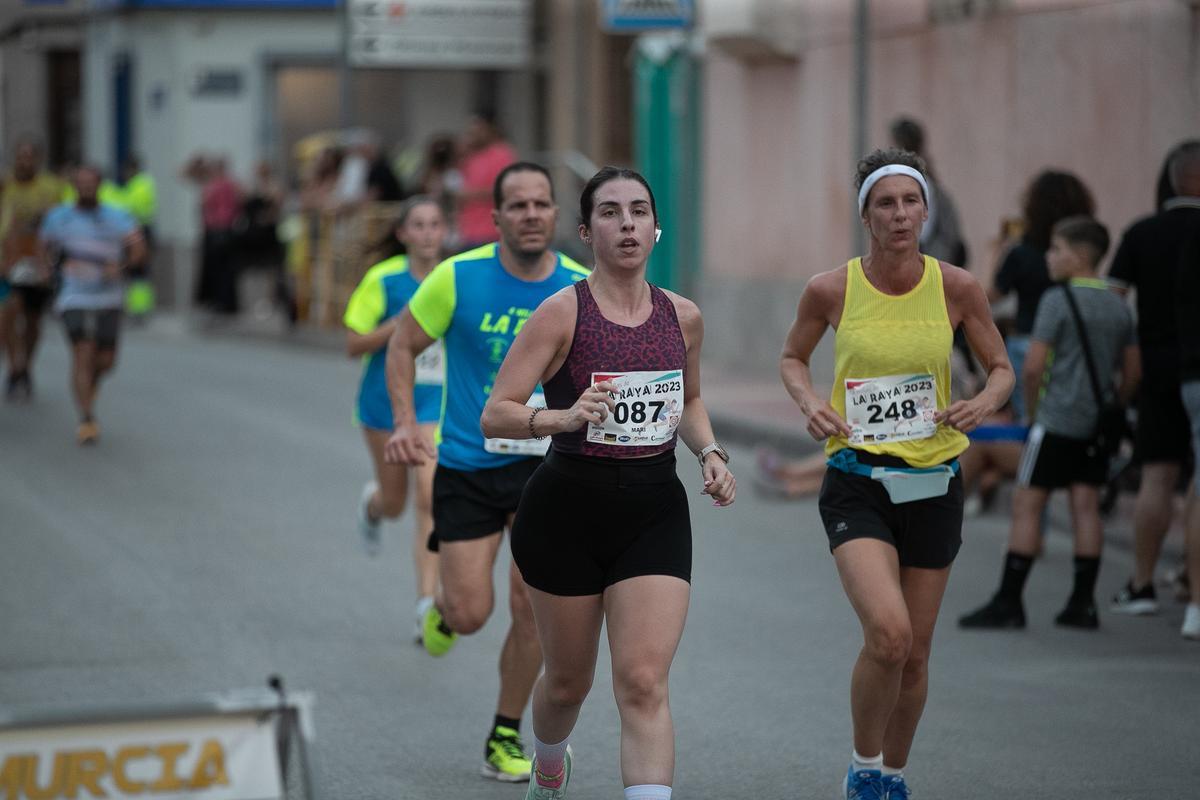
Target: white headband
883, 172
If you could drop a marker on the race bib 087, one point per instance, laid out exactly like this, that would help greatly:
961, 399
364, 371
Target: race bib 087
894, 408
649, 407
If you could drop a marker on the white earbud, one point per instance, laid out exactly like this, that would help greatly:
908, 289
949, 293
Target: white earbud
657, 233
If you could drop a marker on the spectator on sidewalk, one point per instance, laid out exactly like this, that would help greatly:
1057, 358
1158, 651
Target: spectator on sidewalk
220, 208
1187, 290
1063, 449
1146, 261
485, 156
941, 237
319, 185
1051, 196
441, 179
258, 240
29, 193
1163, 190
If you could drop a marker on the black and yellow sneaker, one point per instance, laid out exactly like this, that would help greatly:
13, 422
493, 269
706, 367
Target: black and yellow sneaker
506, 760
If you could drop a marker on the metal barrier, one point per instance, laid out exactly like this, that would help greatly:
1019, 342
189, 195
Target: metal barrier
330, 253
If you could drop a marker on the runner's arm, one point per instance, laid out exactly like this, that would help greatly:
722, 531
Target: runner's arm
695, 428
135, 248
812, 318
1131, 374
541, 344
359, 344
407, 444
969, 300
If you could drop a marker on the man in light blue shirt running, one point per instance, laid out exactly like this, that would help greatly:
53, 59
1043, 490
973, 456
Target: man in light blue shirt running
92, 245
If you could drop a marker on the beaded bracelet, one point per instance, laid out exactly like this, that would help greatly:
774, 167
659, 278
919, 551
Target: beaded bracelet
533, 414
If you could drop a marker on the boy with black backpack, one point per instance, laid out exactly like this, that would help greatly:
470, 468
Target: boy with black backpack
1083, 334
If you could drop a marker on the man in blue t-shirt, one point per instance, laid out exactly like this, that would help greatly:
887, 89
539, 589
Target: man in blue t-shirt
476, 302
92, 245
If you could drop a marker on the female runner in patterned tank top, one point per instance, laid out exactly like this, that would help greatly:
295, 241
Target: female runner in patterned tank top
603, 531
892, 499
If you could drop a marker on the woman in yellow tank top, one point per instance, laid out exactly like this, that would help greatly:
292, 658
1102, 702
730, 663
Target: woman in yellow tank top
892, 499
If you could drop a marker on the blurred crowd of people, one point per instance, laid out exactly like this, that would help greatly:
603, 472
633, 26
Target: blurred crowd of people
338, 174
245, 226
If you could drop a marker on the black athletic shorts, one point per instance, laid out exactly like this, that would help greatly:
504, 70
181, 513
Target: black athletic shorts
586, 523
926, 533
1051, 461
1162, 421
99, 325
34, 298
472, 505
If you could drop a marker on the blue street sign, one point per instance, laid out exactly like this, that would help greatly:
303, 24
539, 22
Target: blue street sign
630, 16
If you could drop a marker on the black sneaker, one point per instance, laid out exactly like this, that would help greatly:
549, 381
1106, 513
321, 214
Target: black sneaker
998, 614
1141, 602
1079, 615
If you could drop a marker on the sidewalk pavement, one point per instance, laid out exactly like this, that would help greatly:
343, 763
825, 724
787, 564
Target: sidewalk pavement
755, 411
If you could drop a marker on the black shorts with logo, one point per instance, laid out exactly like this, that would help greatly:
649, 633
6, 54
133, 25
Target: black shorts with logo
99, 325
1051, 461
926, 533
588, 522
472, 505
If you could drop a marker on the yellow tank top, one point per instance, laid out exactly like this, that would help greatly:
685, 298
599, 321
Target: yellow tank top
881, 335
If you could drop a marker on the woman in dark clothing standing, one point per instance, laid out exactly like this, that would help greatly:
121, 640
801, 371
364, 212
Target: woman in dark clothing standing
1051, 196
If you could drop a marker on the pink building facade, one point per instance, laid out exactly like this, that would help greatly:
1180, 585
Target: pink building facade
1004, 88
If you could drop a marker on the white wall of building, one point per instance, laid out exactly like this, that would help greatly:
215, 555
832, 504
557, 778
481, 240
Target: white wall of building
171, 121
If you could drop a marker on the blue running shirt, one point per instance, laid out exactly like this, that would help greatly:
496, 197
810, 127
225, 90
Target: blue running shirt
477, 307
382, 294
88, 238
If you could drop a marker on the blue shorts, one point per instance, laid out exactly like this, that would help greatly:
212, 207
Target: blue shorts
375, 409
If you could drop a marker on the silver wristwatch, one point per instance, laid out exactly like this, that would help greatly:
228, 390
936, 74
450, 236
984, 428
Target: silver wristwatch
713, 448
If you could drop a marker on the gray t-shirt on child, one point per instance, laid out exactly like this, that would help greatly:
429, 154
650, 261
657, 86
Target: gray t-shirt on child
1068, 404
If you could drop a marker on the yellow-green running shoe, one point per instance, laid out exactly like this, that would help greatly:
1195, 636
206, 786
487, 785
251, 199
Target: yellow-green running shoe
506, 760
438, 639
539, 792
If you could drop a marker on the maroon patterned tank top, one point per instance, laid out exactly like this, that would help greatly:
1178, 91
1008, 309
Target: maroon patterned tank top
645, 362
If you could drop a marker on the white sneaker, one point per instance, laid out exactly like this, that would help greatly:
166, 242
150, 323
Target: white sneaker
1191, 622
419, 631
368, 528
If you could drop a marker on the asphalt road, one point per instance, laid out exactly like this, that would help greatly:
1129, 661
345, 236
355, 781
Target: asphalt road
209, 541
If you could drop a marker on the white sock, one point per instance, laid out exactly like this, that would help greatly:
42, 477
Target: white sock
893, 771
550, 757
648, 791
862, 762
423, 604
